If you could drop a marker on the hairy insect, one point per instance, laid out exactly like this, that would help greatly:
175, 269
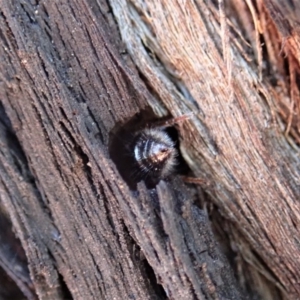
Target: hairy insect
147, 153
154, 153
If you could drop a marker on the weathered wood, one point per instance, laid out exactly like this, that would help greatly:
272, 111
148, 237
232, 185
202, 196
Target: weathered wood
67, 83
235, 66
63, 89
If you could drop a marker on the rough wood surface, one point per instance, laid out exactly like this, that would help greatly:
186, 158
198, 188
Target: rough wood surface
234, 66
63, 89
66, 83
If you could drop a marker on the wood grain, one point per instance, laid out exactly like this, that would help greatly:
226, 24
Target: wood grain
72, 73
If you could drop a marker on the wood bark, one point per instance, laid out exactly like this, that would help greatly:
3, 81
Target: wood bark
74, 74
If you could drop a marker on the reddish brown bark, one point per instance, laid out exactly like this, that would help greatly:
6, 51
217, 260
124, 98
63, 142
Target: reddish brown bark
70, 225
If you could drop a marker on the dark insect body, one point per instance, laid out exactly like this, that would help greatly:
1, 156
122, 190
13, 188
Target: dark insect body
154, 153
146, 153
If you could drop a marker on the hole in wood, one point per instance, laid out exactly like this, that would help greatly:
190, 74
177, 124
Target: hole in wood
146, 149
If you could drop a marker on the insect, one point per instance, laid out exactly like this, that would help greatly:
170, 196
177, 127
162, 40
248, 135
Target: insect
154, 153
148, 153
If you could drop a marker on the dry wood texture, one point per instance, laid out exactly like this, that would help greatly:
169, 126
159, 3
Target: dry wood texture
235, 65
72, 228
